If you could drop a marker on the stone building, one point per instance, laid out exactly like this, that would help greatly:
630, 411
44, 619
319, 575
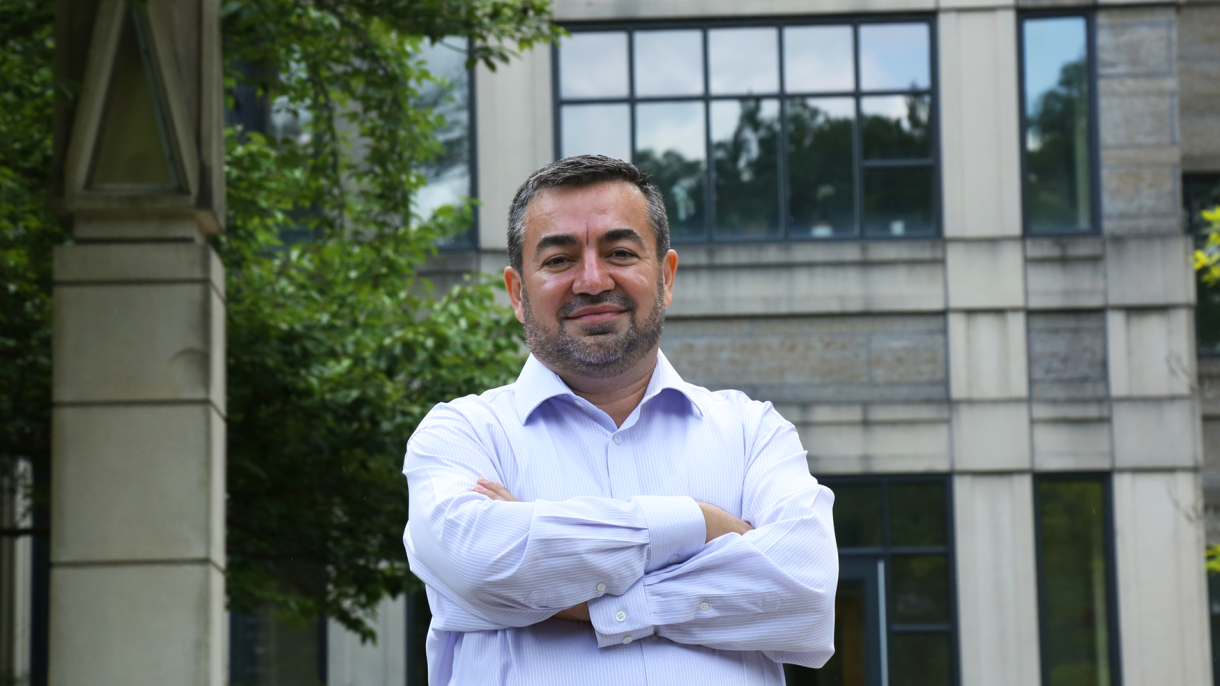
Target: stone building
947, 240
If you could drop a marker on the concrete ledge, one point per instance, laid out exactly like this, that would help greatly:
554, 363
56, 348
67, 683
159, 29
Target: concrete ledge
991, 436
1072, 446
1157, 434
879, 448
985, 275
1149, 270
138, 263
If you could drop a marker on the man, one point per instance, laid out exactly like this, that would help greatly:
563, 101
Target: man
600, 521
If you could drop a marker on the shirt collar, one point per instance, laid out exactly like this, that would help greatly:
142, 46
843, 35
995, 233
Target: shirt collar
536, 384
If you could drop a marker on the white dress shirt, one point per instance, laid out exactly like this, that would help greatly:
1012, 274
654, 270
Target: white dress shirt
608, 515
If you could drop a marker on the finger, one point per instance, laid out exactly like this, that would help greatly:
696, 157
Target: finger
498, 489
502, 491
487, 492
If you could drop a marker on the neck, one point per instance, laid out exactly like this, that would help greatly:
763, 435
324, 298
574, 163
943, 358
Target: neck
617, 396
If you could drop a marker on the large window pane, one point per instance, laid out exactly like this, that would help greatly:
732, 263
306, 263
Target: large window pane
671, 147
448, 174
821, 174
857, 516
819, 59
896, 127
745, 148
1057, 161
593, 65
917, 514
596, 129
920, 660
919, 587
898, 201
894, 57
743, 61
1073, 582
668, 63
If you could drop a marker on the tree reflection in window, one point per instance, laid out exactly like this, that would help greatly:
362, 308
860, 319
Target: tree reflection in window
751, 131
1058, 165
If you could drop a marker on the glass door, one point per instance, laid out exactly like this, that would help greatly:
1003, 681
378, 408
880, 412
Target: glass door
859, 641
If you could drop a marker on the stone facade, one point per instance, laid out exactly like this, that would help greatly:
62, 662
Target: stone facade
984, 354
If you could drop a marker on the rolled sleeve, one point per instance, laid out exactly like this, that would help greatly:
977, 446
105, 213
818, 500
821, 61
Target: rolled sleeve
676, 529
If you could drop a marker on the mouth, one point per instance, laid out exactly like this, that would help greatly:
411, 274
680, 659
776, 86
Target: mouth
595, 314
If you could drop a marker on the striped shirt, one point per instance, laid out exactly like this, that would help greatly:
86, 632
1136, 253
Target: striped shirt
608, 515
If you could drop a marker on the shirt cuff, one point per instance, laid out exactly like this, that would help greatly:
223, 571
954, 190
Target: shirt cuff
676, 529
621, 619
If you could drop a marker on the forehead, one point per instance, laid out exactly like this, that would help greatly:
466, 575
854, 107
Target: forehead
587, 210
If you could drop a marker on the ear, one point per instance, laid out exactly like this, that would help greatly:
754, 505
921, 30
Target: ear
669, 270
512, 282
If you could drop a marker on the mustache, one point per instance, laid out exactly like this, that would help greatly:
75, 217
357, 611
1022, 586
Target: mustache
585, 300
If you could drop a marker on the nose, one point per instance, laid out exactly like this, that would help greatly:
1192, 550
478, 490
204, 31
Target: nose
592, 276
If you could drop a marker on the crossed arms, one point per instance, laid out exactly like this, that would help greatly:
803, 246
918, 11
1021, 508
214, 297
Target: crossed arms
644, 565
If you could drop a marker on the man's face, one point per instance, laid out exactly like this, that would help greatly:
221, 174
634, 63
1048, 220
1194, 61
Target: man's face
592, 291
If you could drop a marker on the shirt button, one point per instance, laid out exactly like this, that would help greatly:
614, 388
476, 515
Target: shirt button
622, 616
618, 440
704, 606
626, 640
601, 587
673, 559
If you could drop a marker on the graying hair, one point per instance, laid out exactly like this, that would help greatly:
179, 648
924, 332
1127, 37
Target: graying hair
584, 170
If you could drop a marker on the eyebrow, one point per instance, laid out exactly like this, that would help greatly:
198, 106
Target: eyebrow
566, 239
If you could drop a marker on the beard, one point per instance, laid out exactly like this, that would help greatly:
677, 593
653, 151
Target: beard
601, 352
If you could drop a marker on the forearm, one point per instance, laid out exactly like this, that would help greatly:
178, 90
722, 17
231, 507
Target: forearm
513, 562
771, 590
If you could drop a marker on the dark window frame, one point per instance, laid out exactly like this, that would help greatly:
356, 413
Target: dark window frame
886, 551
1094, 134
1112, 609
934, 162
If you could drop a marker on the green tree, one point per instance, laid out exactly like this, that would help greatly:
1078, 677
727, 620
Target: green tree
337, 348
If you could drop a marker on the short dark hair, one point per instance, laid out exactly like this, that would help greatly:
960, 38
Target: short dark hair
583, 170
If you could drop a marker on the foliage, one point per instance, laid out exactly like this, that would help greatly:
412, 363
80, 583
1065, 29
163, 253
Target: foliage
1207, 257
336, 348
28, 231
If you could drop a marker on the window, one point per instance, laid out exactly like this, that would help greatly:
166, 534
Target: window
450, 175
765, 131
1058, 125
895, 617
1075, 580
1201, 192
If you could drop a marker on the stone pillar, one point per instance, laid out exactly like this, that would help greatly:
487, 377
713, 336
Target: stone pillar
138, 448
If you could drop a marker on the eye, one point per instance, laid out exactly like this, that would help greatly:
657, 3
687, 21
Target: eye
621, 254
555, 261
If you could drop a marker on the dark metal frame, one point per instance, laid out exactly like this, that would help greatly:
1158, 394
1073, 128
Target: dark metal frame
885, 552
1112, 614
1094, 134
782, 95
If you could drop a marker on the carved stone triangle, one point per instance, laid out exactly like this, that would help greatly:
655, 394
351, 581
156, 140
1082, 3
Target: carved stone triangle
133, 149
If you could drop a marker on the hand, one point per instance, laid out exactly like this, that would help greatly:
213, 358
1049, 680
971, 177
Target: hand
576, 613
495, 491
719, 522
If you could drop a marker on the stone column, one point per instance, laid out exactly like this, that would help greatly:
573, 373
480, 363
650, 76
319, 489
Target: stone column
138, 450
